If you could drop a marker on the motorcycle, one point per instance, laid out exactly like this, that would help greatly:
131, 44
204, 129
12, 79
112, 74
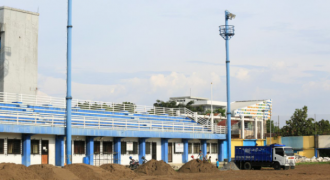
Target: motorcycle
144, 160
133, 164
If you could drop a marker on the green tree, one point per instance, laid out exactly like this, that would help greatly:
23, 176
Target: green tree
299, 124
274, 128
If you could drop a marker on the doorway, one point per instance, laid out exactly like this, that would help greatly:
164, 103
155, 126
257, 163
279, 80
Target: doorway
170, 152
44, 152
154, 151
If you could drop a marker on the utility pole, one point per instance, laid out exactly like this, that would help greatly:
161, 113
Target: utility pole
227, 32
68, 85
212, 118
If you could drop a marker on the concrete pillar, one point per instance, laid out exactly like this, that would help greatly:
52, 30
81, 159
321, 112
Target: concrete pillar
26, 148
117, 150
185, 157
262, 129
243, 127
59, 151
222, 150
255, 128
204, 147
90, 149
316, 151
142, 149
164, 146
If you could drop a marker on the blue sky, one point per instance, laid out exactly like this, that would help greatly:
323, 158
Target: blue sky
140, 51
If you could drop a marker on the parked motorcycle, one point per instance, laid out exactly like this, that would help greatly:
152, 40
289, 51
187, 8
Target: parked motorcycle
144, 160
133, 164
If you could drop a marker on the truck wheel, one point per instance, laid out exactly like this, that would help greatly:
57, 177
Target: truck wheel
292, 167
247, 166
277, 166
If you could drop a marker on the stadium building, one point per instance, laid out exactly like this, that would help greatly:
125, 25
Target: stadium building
32, 127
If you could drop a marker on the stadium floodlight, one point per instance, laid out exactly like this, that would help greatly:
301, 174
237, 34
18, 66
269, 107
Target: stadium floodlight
227, 32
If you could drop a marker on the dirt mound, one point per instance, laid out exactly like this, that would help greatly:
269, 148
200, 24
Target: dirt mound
229, 166
119, 171
10, 171
195, 166
50, 172
87, 172
154, 167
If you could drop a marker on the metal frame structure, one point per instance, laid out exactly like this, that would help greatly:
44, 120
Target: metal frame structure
227, 32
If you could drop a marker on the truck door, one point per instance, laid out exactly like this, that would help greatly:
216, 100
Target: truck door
279, 156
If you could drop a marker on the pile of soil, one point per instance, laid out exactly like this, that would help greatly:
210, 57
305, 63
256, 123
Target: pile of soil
50, 172
10, 171
229, 166
88, 172
119, 171
154, 167
198, 166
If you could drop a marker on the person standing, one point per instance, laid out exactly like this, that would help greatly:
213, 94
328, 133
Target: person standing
200, 155
217, 164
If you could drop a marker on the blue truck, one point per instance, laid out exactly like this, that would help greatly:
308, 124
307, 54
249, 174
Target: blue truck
254, 157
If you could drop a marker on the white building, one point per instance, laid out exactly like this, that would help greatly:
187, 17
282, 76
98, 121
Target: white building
204, 102
18, 51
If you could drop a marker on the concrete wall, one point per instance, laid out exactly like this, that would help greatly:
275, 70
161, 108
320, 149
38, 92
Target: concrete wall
125, 157
324, 141
158, 148
10, 158
36, 159
19, 51
176, 157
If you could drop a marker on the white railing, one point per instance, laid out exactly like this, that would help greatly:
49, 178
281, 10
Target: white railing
36, 100
220, 129
89, 104
57, 120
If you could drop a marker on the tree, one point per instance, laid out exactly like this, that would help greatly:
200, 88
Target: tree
274, 128
301, 125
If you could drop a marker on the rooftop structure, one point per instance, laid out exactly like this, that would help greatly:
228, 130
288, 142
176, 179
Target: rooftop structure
18, 50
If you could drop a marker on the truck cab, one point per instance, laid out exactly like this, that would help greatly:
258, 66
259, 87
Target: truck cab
283, 157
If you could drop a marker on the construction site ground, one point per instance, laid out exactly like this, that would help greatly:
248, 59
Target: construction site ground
155, 171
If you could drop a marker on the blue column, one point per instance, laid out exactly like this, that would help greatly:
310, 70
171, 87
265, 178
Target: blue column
222, 150
59, 151
117, 150
228, 90
316, 152
90, 149
164, 144
204, 147
185, 157
142, 149
68, 84
26, 148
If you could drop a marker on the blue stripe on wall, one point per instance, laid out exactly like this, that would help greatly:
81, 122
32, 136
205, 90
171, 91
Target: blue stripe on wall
296, 142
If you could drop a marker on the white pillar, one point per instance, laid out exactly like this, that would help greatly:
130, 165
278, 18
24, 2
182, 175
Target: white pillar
212, 122
255, 128
243, 127
262, 129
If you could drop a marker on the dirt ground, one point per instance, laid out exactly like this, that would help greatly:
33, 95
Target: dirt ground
10, 171
314, 171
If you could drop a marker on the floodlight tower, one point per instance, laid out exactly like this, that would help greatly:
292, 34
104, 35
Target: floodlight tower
68, 85
227, 32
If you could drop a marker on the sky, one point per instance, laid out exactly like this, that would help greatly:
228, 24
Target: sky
143, 50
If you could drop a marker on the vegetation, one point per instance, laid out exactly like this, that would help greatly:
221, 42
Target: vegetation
300, 125
125, 106
198, 109
309, 163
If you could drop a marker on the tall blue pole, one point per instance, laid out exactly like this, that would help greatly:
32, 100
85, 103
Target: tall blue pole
228, 90
68, 85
